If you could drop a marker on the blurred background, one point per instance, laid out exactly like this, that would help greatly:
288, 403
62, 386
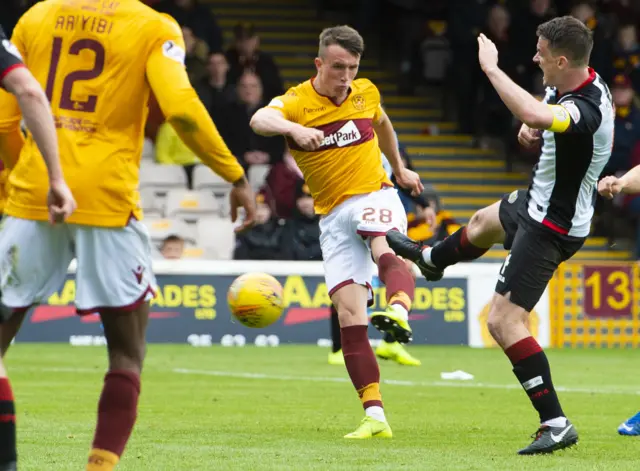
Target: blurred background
452, 127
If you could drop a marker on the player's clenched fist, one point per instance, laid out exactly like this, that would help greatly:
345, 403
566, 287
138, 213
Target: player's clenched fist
609, 187
307, 138
528, 137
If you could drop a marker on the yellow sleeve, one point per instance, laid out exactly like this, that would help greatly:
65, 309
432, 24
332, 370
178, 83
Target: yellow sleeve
183, 109
377, 99
561, 119
287, 104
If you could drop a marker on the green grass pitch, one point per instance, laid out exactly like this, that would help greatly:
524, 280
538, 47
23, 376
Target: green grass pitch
285, 408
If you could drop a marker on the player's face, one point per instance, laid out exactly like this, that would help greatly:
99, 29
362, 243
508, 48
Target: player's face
550, 65
337, 69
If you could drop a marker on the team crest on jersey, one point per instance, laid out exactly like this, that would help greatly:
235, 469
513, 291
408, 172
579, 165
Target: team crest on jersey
513, 197
359, 102
11, 49
572, 109
171, 50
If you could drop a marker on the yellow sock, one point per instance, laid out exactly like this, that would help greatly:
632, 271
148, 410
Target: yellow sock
400, 298
371, 392
102, 460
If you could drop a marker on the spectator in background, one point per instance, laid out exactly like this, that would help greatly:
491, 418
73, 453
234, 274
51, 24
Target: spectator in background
495, 119
602, 53
301, 238
522, 33
197, 53
419, 229
627, 126
215, 90
170, 150
197, 17
626, 59
282, 181
466, 20
245, 54
249, 147
264, 240
172, 247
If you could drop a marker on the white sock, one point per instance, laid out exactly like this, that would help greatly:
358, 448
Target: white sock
426, 256
557, 422
376, 412
400, 309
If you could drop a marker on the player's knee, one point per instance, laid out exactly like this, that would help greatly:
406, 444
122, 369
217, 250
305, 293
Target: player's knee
130, 359
502, 316
351, 315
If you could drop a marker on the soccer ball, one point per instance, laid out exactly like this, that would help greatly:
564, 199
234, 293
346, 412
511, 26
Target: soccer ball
255, 299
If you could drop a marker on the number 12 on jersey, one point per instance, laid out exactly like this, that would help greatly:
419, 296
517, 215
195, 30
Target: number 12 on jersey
75, 49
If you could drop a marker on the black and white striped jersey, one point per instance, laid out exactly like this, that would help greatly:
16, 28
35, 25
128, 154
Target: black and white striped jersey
562, 193
9, 56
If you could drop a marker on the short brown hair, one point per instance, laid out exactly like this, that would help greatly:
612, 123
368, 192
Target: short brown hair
344, 36
569, 36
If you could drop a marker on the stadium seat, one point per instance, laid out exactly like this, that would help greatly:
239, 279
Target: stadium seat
161, 228
258, 175
215, 235
148, 150
161, 178
151, 204
190, 205
205, 179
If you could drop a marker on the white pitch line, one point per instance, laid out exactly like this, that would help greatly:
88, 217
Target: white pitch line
437, 384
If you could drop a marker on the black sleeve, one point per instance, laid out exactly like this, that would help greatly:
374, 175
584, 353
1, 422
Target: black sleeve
420, 199
584, 113
9, 55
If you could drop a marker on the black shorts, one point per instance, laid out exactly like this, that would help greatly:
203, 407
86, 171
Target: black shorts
534, 254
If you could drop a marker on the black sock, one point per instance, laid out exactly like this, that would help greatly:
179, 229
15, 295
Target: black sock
8, 454
389, 338
335, 330
531, 367
455, 248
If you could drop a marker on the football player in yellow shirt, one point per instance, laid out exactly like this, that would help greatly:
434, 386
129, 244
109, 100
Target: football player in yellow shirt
17, 80
98, 62
336, 128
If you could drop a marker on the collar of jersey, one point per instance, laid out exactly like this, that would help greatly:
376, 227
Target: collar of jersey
328, 97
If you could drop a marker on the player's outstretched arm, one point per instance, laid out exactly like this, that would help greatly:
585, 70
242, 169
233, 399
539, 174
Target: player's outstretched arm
188, 116
522, 104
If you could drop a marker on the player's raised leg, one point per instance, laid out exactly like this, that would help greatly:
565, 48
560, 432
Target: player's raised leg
389, 348
362, 366
400, 288
468, 243
121, 296
373, 216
